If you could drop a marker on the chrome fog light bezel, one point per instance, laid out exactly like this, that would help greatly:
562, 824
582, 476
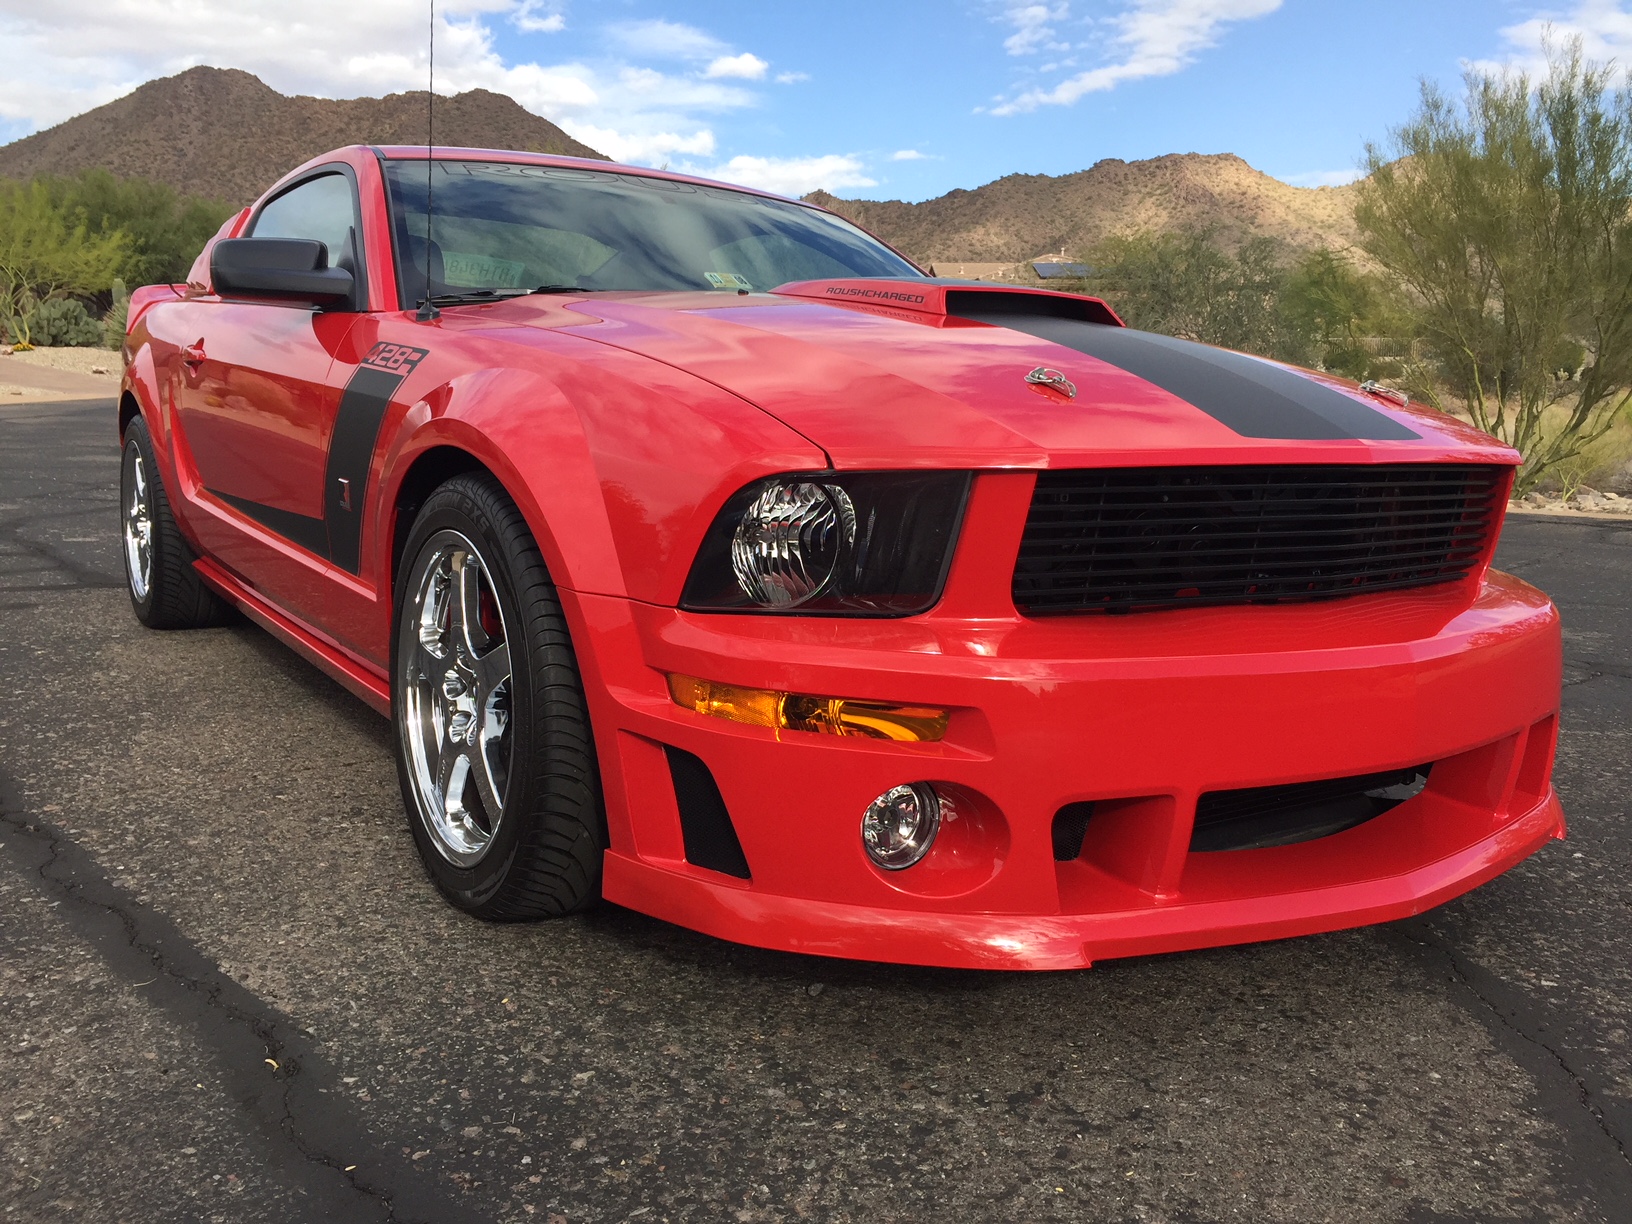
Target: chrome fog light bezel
891, 849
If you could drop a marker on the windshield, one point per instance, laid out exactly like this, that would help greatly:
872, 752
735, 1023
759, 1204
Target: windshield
504, 228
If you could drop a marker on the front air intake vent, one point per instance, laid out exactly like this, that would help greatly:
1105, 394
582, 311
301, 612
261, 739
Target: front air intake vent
705, 825
1142, 539
1070, 828
1262, 816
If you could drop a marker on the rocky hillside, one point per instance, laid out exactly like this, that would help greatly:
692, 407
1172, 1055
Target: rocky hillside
224, 134
1024, 215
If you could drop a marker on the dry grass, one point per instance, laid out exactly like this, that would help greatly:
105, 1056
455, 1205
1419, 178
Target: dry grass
1603, 464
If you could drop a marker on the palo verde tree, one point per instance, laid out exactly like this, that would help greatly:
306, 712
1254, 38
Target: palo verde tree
166, 230
45, 254
1188, 285
1506, 220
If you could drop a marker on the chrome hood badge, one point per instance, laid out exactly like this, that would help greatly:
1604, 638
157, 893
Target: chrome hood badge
1042, 376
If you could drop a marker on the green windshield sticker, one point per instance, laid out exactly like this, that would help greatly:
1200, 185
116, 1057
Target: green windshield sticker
465, 271
727, 280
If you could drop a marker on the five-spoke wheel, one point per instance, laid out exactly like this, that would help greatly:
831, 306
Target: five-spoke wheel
456, 697
492, 729
138, 528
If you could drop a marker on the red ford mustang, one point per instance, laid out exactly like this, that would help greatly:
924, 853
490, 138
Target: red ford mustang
709, 557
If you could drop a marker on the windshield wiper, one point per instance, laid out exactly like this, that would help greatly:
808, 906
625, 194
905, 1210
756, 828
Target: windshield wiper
468, 296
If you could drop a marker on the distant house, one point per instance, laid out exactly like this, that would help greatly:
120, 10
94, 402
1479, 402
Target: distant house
1062, 271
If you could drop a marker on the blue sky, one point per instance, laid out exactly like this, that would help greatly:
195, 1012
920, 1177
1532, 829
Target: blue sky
880, 98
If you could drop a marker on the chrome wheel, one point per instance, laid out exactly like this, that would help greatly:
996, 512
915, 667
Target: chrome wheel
138, 529
454, 692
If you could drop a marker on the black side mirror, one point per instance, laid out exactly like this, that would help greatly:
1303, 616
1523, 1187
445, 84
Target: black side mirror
278, 269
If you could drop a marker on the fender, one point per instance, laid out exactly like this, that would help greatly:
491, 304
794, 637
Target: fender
141, 383
466, 414
599, 456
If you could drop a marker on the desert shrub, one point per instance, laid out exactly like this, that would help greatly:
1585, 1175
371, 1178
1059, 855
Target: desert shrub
117, 318
64, 322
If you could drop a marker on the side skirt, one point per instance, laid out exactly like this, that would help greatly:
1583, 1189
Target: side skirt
355, 675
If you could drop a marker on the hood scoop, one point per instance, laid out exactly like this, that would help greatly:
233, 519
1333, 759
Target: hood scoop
961, 298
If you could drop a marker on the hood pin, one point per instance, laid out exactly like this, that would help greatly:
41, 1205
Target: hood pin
1042, 376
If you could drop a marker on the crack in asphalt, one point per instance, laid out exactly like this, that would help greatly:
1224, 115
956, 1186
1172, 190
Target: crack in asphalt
1602, 1170
240, 1031
82, 577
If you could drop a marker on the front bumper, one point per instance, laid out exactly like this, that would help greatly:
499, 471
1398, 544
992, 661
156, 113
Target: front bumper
1141, 714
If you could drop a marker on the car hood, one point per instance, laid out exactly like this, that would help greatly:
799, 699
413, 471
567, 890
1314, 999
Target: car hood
909, 374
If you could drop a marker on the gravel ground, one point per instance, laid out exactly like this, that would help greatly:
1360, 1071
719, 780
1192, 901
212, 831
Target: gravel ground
76, 360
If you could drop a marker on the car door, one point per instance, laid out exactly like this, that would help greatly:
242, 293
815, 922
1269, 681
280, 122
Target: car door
257, 403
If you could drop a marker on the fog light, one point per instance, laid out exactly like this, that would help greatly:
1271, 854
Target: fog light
898, 827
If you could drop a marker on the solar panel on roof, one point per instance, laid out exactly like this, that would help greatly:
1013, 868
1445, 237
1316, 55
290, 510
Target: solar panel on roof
1055, 271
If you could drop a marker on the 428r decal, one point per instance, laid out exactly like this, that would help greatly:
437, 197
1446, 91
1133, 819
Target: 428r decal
394, 358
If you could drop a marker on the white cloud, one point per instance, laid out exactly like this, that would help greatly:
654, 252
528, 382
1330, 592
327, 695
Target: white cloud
67, 56
1034, 27
747, 67
526, 18
791, 78
1151, 38
1322, 178
646, 148
1603, 26
791, 176
908, 155
665, 40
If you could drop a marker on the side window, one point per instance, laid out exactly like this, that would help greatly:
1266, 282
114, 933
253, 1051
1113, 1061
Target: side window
320, 208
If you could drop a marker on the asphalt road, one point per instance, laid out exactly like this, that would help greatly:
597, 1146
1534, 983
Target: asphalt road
227, 991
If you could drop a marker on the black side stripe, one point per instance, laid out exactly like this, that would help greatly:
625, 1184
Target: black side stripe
312, 534
337, 536
1257, 399
357, 422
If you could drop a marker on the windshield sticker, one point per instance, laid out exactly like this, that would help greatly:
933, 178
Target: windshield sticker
481, 271
727, 280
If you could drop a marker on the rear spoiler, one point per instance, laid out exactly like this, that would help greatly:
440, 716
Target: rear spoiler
936, 296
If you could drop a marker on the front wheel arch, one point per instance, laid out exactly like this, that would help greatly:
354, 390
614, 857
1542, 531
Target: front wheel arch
425, 475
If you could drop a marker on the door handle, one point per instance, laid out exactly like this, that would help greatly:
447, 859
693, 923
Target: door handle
193, 354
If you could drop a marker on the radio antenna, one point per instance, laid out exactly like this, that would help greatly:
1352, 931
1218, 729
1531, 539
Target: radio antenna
427, 309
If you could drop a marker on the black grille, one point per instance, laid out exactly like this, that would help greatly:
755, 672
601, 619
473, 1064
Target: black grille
1140, 539
1283, 815
1070, 828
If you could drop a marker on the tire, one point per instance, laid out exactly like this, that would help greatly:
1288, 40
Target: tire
487, 707
165, 590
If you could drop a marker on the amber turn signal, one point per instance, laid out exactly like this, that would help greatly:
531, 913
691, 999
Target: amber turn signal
799, 712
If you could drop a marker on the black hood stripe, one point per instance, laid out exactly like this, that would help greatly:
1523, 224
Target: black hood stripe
1257, 399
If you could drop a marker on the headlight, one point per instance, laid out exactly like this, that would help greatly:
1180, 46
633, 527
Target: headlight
854, 543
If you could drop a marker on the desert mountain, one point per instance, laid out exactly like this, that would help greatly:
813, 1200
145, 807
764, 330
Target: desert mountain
1021, 216
222, 133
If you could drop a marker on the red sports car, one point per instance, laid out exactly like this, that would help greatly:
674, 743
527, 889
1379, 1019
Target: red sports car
709, 557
